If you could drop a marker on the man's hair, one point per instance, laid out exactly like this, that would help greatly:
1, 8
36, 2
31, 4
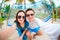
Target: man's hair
29, 10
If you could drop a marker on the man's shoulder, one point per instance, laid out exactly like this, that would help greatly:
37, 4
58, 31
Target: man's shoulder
40, 22
37, 19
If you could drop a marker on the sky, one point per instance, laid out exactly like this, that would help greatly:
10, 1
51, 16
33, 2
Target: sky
57, 2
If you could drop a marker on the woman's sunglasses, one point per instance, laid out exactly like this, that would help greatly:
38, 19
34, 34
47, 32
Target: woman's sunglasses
29, 15
19, 17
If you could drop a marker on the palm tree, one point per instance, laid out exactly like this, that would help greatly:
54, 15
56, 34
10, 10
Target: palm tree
53, 11
0, 9
33, 2
6, 12
58, 11
7, 0
19, 2
24, 4
47, 7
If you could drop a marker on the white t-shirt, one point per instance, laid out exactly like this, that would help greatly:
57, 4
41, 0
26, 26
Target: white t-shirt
35, 23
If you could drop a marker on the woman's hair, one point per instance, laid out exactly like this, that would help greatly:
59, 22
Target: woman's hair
17, 17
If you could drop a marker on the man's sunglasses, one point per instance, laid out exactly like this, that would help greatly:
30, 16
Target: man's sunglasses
19, 17
27, 15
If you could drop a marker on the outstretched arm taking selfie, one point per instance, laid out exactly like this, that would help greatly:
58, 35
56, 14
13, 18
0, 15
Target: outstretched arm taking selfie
4, 34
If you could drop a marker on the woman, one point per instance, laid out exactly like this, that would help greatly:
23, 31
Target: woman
20, 24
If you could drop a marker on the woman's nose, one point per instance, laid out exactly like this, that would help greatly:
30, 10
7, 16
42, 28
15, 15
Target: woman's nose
21, 18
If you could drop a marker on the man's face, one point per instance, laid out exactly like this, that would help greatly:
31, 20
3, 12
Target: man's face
30, 15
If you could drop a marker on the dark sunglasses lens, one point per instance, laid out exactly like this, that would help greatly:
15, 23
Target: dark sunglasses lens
23, 17
32, 14
19, 17
27, 15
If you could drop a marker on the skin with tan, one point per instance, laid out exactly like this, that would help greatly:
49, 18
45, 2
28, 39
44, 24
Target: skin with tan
4, 34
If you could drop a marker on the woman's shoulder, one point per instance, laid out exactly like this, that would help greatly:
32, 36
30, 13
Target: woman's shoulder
27, 23
16, 22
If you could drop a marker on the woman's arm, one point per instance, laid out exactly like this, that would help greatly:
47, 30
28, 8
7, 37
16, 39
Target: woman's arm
20, 38
24, 32
4, 34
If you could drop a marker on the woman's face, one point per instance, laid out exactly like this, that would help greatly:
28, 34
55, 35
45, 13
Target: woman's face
21, 17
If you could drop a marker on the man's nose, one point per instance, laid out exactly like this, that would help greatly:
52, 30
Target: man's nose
30, 16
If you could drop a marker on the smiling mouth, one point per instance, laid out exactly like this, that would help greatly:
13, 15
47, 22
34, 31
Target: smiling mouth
30, 18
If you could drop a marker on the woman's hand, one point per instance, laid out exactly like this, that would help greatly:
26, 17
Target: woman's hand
20, 38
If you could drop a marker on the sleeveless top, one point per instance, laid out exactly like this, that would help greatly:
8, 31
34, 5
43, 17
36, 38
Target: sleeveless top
21, 29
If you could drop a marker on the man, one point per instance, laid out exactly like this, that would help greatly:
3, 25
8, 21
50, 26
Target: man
33, 24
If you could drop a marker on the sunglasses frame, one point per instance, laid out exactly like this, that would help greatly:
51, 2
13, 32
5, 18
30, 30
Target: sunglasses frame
29, 15
19, 17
